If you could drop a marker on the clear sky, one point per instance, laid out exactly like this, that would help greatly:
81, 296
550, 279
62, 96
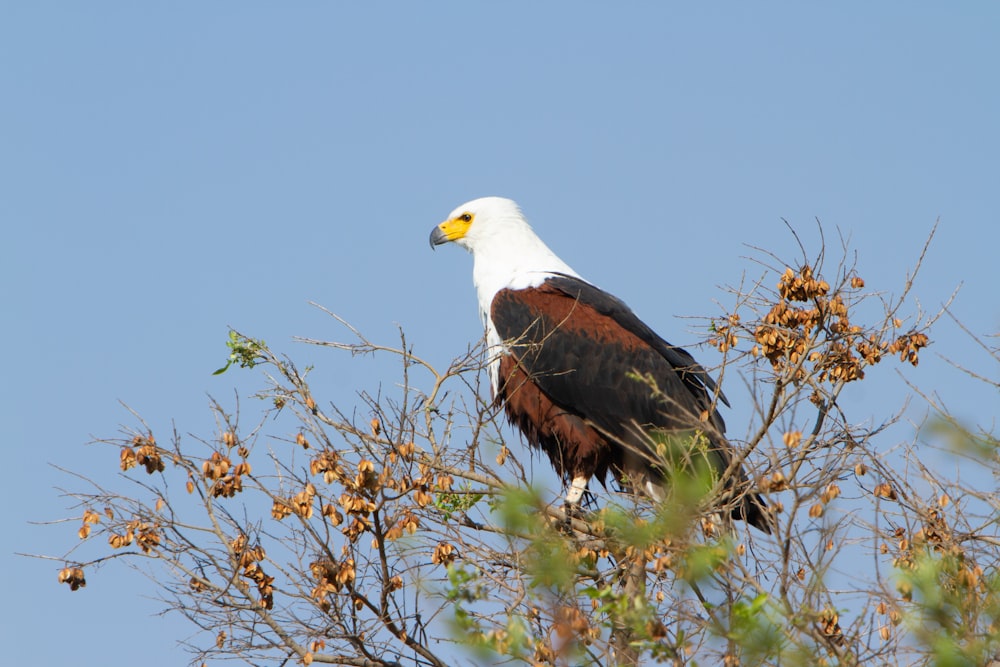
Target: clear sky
169, 170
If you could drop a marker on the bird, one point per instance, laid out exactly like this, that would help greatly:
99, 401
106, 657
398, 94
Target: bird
582, 377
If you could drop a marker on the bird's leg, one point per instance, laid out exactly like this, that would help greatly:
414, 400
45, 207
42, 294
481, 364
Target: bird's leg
577, 487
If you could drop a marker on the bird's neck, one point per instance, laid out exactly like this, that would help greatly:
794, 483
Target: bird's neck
524, 265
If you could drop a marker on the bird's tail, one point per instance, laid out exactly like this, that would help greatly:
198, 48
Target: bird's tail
694, 464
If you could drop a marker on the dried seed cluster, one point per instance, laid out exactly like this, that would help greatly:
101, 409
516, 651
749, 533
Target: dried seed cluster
144, 452
248, 560
147, 536
226, 478
73, 577
330, 578
809, 326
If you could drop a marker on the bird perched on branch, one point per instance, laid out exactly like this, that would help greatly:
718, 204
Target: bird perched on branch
583, 378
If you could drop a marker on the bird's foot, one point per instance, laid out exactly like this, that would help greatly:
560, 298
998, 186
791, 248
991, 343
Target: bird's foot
571, 512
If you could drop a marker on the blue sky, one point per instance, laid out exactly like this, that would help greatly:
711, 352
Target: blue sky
169, 171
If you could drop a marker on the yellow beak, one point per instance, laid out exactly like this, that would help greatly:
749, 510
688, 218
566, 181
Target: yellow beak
450, 230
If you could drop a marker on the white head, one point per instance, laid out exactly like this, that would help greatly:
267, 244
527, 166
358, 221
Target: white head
475, 225
506, 251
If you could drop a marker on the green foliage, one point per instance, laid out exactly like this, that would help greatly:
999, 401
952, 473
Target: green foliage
692, 470
450, 503
756, 627
465, 587
701, 561
548, 557
245, 351
955, 608
958, 438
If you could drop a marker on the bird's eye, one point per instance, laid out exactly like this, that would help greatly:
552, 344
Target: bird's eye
465, 217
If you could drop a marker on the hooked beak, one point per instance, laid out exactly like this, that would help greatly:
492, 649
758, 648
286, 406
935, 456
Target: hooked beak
438, 237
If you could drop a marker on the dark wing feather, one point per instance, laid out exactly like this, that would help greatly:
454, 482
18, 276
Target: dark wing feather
585, 348
698, 381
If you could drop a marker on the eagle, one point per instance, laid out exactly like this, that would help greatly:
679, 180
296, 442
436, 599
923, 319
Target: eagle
582, 377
